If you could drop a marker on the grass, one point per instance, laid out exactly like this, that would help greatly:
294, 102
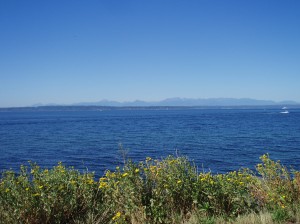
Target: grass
170, 190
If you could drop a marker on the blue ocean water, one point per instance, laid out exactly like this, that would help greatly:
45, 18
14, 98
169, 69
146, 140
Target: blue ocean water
220, 140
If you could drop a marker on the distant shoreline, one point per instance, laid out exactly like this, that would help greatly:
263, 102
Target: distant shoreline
108, 108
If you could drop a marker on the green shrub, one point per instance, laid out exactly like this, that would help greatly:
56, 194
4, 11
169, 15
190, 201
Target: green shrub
170, 184
276, 188
58, 195
226, 194
170, 190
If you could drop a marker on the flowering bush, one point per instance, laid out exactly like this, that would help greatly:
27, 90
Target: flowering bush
170, 190
57, 195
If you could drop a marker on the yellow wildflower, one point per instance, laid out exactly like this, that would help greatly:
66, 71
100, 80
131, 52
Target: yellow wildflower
90, 181
103, 185
73, 182
125, 175
137, 170
117, 216
172, 161
152, 168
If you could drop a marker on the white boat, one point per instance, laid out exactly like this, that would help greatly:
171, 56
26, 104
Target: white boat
284, 112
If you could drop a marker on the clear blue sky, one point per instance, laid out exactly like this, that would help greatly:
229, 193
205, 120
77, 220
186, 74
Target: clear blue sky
76, 51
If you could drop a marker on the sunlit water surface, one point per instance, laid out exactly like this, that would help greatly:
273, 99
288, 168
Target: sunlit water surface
219, 140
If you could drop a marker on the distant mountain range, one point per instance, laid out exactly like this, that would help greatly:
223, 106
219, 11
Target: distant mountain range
187, 102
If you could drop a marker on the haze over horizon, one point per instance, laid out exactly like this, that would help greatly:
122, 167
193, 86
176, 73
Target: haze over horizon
66, 52
177, 101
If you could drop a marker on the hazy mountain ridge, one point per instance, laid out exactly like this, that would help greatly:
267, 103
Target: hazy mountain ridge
188, 102
170, 103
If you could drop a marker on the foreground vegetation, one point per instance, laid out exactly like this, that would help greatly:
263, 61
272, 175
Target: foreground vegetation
170, 190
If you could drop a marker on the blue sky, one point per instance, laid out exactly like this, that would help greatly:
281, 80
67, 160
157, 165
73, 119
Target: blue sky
75, 51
